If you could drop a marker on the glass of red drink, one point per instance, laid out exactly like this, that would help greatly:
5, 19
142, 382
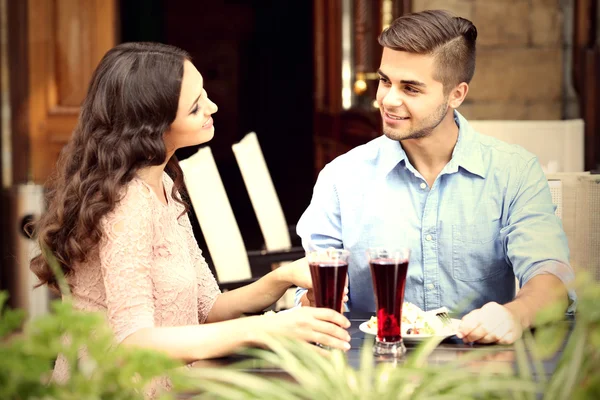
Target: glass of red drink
328, 270
388, 270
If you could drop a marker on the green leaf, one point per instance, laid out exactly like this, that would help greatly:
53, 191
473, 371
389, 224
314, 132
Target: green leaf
419, 356
552, 313
550, 338
365, 378
572, 377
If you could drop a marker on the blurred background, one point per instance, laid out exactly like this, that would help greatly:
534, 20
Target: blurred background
299, 73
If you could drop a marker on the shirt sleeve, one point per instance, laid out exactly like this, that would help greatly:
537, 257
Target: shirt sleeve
534, 240
126, 264
320, 226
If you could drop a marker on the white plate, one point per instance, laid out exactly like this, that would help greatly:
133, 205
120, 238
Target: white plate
450, 330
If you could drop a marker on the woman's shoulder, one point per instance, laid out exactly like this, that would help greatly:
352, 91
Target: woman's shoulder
134, 199
136, 193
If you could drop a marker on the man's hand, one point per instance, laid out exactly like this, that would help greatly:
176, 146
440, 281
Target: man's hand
308, 298
492, 323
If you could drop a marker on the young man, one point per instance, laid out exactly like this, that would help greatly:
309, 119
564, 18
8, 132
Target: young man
474, 211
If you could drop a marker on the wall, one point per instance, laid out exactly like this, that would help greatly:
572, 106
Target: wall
522, 53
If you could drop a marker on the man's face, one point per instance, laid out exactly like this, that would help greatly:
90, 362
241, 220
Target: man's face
411, 102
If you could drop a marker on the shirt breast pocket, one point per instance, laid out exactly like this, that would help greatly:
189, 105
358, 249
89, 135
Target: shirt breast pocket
477, 251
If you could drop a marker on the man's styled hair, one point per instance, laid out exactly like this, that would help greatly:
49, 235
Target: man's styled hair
450, 39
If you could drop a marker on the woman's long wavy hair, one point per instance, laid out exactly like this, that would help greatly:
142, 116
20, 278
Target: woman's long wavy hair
131, 102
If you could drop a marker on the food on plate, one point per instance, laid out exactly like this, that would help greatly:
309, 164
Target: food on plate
414, 321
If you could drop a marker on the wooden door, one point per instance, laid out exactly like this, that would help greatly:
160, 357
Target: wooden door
65, 41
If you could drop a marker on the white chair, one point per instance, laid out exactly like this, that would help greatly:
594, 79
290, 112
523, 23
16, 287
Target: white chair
265, 202
215, 216
580, 212
234, 265
559, 145
261, 190
577, 197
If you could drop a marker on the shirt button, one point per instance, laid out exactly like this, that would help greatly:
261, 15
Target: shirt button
431, 286
428, 238
423, 185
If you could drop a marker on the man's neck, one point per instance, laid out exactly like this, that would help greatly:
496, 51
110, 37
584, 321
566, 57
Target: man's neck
429, 155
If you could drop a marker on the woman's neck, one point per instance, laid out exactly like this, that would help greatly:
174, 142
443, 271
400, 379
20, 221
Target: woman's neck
153, 177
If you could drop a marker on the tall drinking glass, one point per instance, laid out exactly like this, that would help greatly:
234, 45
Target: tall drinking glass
388, 270
328, 270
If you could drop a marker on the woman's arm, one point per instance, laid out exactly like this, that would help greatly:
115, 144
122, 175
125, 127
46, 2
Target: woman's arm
126, 258
262, 293
195, 342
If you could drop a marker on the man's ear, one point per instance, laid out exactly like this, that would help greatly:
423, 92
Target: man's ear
457, 95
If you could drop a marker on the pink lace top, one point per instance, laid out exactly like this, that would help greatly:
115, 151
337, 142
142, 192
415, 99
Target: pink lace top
148, 270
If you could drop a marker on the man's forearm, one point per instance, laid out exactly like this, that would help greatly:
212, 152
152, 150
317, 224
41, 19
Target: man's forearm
538, 293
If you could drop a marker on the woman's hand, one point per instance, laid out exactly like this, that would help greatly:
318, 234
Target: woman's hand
313, 325
297, 273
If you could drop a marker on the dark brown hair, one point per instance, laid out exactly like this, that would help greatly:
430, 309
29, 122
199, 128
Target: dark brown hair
131, 101
450, 39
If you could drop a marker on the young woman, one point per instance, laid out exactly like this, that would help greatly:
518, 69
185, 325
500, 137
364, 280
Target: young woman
118, 226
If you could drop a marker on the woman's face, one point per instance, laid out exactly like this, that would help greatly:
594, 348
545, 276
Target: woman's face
193, 124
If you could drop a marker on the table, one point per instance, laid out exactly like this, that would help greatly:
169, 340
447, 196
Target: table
449, 350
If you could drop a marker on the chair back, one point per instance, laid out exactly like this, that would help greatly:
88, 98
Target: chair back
261, 191
581, 218
559, 145
215, 216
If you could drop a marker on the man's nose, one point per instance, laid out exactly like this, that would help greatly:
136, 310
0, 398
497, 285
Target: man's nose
392, 99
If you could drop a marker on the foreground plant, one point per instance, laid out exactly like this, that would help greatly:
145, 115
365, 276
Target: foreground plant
28, 352
27, 358
315, 376
577, 375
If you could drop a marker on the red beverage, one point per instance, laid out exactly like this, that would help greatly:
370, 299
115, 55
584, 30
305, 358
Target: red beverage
389, 279
329, 280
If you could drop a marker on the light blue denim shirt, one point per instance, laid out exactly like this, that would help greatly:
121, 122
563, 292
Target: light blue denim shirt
487, 218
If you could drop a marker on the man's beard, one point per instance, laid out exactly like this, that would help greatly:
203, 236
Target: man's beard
425, 130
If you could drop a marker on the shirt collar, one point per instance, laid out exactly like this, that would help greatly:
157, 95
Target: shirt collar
466, 153
391, 154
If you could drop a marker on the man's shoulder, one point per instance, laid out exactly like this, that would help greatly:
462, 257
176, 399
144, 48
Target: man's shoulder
498, 151
358, 157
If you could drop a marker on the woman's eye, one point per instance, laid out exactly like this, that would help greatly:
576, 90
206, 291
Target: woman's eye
195, 109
